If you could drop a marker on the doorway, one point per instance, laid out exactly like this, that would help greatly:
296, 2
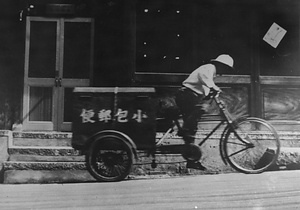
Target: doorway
58, 57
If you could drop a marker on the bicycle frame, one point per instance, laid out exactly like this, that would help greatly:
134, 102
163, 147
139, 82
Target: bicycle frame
229, 120
226, 118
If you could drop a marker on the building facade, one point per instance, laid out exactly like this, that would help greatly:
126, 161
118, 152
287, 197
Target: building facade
49, 47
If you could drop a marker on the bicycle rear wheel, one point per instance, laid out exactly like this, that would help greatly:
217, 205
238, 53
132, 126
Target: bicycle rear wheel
252, 147
109, 158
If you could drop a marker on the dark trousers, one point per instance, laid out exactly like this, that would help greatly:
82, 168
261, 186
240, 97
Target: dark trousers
191, 107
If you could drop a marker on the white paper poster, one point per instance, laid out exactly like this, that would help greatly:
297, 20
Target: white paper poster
274, 35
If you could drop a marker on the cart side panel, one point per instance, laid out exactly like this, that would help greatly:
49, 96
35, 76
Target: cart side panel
136, 114
131, 111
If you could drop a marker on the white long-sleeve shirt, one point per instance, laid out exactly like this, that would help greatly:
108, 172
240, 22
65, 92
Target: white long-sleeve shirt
201, 79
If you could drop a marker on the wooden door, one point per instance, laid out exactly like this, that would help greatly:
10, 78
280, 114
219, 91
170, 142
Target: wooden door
58, 57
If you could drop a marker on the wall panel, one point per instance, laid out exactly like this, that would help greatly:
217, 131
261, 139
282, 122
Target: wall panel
281, 103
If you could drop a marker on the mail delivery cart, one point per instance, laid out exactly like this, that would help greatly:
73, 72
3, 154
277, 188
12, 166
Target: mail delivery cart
110, 124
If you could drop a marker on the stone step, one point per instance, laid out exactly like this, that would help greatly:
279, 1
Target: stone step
43, 151
45, 154
40, 158
25, 165
41, 142
18, 172
41, 139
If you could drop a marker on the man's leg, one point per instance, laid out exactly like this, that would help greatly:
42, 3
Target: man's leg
187, 101
191, 127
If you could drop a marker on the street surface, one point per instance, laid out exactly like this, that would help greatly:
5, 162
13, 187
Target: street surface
270, 190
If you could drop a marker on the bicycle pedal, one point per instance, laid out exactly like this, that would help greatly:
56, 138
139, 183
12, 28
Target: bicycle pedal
182, 132
153, 164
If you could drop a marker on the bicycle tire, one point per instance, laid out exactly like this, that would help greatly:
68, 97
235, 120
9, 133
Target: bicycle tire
109, 158
258, 157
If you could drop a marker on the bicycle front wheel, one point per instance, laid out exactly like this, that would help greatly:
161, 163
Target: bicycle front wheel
252, 146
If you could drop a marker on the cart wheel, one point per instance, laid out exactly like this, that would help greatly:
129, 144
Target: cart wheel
109, 158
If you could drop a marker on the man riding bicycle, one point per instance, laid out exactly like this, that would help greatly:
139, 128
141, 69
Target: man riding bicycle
191, 95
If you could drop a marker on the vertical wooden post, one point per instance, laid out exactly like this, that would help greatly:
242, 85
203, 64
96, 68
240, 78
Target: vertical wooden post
255, 90
131, 16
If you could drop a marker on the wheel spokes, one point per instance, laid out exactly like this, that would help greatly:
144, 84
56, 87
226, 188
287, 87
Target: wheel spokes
237, 152
112, 163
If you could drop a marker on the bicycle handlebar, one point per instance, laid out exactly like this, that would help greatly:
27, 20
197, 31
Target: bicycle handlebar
213, 94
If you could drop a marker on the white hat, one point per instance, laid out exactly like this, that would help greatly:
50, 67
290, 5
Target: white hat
225, 59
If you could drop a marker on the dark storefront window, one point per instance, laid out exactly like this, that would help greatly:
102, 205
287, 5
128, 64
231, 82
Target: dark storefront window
178, 36
164, 37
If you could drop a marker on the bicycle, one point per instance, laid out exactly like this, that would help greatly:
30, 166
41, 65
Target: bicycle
240, 142
248, 144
